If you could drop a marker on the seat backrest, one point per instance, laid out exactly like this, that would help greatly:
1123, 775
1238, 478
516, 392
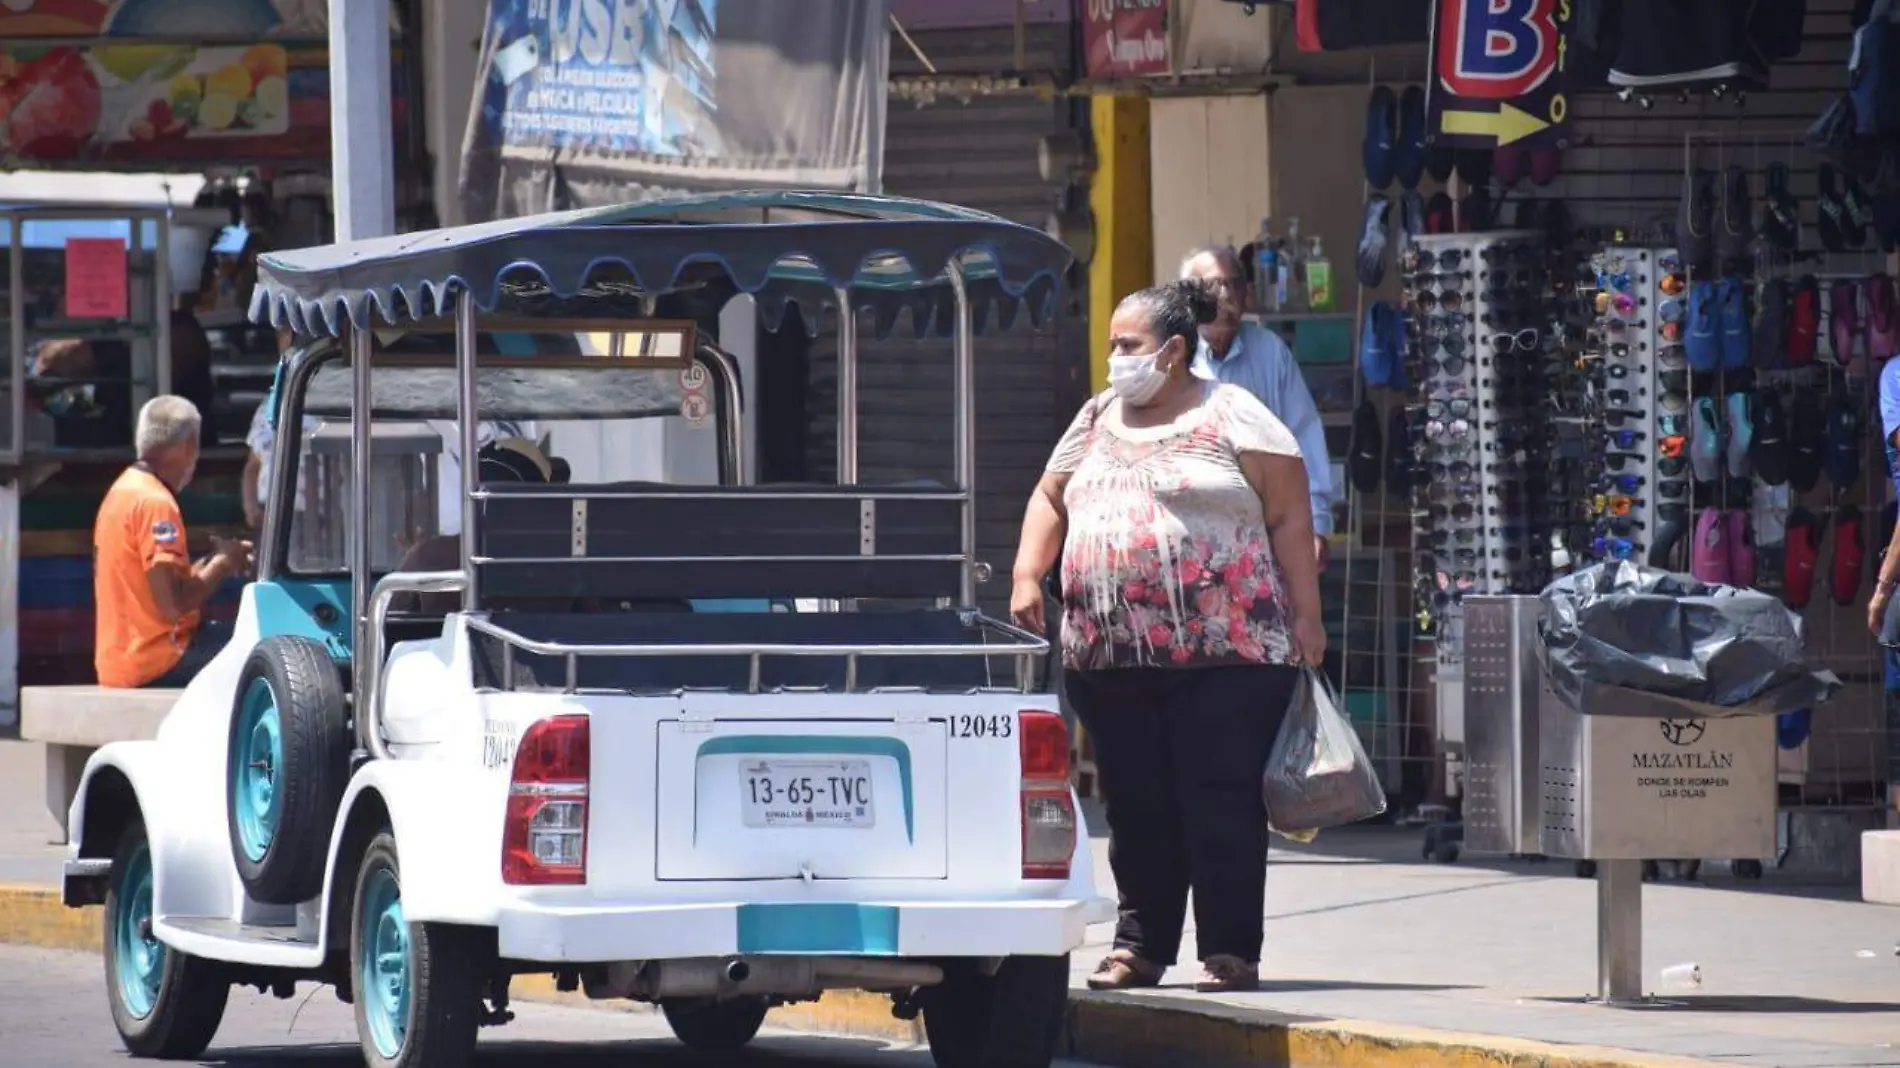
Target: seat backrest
644, 540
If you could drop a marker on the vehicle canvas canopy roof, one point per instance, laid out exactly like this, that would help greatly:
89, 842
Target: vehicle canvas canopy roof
784, 248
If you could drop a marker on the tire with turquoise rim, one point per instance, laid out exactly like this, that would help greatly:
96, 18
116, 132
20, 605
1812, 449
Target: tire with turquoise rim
164, 1003
418, 986
287, 763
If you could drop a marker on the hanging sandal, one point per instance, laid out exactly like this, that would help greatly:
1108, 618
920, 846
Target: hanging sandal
1223, 974
1122, 970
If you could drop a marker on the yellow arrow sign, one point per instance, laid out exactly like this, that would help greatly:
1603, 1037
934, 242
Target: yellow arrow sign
1507, 124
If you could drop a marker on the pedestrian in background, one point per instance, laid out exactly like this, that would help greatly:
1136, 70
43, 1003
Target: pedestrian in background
1250, 356
1190, 589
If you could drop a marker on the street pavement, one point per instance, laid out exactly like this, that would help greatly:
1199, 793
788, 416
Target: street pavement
1360, 928
53, 1015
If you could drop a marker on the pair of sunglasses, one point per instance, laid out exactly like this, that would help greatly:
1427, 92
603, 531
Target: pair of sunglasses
1525, 340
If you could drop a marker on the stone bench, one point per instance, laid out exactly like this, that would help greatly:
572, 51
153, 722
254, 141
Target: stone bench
73, 721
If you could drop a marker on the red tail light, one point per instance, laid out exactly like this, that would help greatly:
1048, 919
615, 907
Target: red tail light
544, 838
1048, 804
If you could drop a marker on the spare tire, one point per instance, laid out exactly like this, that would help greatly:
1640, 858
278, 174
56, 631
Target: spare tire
287, 761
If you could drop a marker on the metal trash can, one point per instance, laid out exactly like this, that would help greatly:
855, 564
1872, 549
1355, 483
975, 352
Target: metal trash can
1545, 778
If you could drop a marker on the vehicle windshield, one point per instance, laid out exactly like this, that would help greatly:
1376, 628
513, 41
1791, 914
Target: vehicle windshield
607, 406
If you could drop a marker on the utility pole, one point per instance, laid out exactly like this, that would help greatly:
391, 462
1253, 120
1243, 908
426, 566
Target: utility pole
362, 137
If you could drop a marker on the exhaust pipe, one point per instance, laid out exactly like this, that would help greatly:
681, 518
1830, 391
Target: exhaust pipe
737, 970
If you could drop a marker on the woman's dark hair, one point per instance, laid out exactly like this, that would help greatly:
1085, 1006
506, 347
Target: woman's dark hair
1177, 309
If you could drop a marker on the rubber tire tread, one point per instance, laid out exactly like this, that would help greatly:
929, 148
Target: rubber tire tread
313, 720
447, 969
1014, 1019
192, 993
720, 1027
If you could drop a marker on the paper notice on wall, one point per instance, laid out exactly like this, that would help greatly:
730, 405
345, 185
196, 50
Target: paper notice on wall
95, 278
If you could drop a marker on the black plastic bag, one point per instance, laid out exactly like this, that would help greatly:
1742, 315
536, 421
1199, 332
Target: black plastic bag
1622, 639
1317, 774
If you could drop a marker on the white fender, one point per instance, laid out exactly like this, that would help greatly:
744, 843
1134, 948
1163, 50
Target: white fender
447, 821
191, 870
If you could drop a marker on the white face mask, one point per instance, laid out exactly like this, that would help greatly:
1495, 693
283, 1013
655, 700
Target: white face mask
1136, 379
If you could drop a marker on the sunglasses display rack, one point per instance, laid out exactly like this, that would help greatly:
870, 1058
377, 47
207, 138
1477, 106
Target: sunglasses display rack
1639, 403
1513, 291
1471, 302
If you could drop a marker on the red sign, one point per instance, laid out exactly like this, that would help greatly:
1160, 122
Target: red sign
95, 278
1125, 37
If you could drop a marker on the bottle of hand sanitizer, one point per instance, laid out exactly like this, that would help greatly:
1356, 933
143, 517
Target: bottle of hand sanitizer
1319, 278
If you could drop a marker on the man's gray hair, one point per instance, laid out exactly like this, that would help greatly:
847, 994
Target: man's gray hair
165, 422
1223, 255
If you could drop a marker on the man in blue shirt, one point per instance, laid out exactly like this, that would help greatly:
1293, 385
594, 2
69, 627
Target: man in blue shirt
1883, 623
1249, 355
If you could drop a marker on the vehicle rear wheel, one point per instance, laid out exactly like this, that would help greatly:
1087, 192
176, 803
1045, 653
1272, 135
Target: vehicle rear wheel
1012, 1019
288, 761
716, 1026
418, 985
164, 1003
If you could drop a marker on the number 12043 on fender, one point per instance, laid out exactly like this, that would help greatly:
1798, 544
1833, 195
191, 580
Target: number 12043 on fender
806, 793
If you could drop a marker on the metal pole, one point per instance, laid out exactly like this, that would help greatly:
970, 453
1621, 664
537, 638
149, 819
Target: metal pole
467, 411
362, 137
362, 340
16, 330
847, 389
965, 400
1620, 931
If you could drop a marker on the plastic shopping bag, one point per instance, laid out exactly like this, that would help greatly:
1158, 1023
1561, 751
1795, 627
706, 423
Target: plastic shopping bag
1317, 775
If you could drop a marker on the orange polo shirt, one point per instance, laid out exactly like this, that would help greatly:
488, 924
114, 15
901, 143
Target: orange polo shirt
139, 526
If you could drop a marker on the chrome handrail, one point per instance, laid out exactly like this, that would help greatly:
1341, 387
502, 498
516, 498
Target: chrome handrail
1024, 648
369, 669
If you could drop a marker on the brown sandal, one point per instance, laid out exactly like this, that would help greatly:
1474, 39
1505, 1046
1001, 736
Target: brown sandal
1224, 974
1122, 970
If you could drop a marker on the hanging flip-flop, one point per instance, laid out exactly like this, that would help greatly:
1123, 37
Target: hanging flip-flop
1741, 550
1771, 322
1883, 324
1438, 214
1702, 344
1367, 450
1369, 262
1411, 216
1830, 210
1741, 435
1807, 441
1849, 556
1798, 559
1735, 230
1841, 458
1475, 211
1508, 163
1474, 167
1732, 312
1708, 554
1705, 441
1860, 213
1843, 319
1781, 215
1398, 453
1378, 152
1768, 452
1545, 160
1695, 222
1804, 321
1410, 159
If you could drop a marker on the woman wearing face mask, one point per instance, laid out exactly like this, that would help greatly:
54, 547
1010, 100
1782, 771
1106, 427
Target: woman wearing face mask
1190, 590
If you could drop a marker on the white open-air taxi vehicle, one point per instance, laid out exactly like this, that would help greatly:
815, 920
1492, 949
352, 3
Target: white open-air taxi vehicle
714, 746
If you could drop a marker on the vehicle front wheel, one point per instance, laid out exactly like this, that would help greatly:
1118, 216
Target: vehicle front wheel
715, 1026
418, 985
164, 1003
1012, 1019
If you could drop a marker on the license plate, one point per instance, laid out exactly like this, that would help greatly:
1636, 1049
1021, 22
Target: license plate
806, 793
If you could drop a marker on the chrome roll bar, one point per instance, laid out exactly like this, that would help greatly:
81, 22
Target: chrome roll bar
369, 665
1021, 645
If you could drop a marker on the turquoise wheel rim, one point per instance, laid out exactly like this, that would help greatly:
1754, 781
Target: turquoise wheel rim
257, 759
383, 984
138, 957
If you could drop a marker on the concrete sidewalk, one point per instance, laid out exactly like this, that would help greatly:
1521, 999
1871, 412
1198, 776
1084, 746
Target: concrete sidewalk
1474, 963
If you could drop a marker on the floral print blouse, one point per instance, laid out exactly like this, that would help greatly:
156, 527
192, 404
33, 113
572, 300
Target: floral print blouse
1167, 562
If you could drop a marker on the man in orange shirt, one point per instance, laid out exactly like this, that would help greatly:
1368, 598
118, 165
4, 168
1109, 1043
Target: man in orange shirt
146, 590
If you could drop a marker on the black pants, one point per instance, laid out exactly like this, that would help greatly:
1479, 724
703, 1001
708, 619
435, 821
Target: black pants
1181, 753
210, 639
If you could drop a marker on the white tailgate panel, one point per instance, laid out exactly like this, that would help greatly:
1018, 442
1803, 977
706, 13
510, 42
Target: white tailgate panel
705, 778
